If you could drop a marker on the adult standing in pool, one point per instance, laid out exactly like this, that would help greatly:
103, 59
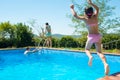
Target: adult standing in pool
48, 40
91, 19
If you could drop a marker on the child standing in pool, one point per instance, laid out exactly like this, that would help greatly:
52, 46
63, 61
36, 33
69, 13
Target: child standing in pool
91, 19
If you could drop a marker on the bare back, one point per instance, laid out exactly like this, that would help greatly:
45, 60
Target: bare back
92, 24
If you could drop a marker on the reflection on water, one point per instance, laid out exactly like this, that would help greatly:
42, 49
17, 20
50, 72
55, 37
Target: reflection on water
53, 65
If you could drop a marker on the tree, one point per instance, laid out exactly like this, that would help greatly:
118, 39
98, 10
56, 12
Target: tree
8, 33
111, 41
24, 35
82, 41
55, 42
68, 41
106, 23
7, 30
34, 25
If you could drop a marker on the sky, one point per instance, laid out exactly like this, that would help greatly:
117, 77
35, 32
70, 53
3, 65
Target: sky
52, 11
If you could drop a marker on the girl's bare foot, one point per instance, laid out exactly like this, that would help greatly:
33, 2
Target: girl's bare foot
90, 61
106, 69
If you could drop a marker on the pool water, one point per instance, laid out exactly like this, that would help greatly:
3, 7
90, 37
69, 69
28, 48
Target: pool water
53, 65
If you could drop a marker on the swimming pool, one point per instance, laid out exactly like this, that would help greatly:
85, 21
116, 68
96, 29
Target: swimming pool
53, 65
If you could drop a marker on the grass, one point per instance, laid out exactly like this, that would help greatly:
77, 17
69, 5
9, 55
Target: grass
113, 51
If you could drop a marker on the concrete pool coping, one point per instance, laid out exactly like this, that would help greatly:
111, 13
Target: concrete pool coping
115, 76
64, 49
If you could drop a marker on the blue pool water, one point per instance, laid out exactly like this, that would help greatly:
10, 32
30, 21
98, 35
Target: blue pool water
53, 65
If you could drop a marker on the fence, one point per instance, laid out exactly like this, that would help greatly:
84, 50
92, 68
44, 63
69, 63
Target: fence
112, 45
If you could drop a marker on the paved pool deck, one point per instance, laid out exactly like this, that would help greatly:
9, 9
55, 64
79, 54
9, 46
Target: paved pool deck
115, 76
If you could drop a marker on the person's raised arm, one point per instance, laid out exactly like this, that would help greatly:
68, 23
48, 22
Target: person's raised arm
97, 9
75, 14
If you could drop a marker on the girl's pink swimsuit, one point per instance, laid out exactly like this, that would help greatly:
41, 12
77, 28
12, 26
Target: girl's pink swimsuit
93, 38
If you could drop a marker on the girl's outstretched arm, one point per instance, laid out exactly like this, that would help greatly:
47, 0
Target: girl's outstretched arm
96, 7
75, 14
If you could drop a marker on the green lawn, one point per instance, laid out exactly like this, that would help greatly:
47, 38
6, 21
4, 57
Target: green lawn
114, 51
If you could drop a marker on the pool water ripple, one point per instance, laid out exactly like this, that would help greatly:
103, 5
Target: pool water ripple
53, 65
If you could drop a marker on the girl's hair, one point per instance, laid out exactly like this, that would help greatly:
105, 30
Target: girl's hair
88, 10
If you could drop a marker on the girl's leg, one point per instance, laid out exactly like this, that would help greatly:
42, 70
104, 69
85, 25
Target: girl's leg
87, 50
99, 52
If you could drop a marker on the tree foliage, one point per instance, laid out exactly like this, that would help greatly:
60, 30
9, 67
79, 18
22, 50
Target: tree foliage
7, 34
107, 23
24, 35
68, 41
7, 30
18, 35
21, 35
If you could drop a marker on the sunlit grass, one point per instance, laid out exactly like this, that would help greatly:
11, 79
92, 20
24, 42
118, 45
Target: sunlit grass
113, 51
